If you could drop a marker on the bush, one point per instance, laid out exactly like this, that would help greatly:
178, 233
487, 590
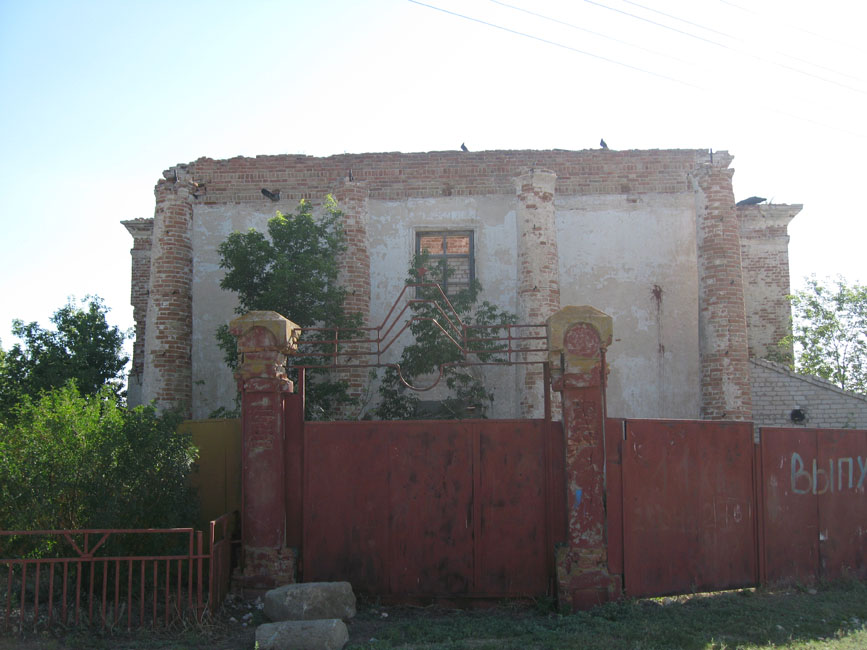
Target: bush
70, 461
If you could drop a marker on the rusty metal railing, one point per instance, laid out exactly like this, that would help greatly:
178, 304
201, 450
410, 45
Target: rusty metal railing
366, 347
76, 585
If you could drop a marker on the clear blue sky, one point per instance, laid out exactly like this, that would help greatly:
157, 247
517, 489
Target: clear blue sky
99, 97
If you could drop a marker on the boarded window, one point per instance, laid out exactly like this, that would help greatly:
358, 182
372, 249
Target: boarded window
456, 248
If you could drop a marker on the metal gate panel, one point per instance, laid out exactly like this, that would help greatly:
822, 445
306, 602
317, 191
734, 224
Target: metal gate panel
688, 506
513, 551
614, 493
842, 506
434, 508
346, 489
431, 501
791, 535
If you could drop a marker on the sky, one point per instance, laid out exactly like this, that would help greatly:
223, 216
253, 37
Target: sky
98, 98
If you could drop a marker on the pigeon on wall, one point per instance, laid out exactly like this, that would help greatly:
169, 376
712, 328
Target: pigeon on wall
464, 147
603, 144
753, 200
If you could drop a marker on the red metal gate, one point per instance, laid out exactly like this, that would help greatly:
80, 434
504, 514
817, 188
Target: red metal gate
434, 508
689, 515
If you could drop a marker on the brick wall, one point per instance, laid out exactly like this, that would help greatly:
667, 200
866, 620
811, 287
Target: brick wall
396, 176
142, 234
724, 350
765, 260
777, 391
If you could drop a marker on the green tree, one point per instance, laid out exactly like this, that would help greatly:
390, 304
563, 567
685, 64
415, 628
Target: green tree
292, 271
433, 348
829, 332
82, 347
70, 460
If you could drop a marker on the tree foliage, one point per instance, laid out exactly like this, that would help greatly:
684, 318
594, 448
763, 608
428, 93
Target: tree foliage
82, 347
70, 460
292, 271
829, 332
432, 349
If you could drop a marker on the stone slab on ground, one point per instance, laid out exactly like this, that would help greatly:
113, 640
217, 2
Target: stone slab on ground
324, 634
309, 601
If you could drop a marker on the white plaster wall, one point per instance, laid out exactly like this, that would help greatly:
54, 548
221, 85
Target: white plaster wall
213, 385
614, 250
392, 228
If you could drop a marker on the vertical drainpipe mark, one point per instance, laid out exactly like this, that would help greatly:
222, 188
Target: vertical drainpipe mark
577, 498
656, 294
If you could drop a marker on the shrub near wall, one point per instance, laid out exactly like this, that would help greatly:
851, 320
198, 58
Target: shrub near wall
71, 461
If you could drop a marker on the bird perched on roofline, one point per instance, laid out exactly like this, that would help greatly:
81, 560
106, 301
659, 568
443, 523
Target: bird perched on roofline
464, 147
603, 144
753, 200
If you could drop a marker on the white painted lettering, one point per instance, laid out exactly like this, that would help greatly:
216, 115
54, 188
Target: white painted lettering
797, 472
840, 473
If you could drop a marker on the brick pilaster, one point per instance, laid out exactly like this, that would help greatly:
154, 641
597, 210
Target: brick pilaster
142, 235
538, 272
167, 377
765, 259
724, 350
354, 276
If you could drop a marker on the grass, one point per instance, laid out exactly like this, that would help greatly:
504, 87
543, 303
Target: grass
832, 617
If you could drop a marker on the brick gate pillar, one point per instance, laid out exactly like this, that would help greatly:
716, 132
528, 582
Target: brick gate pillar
577, 340
265, 338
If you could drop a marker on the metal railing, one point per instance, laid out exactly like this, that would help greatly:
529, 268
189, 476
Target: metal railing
478, 345
75, 579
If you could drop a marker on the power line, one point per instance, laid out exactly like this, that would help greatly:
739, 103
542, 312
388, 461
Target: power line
556, 44
653, 22
740, 40
707, 40
589, 31
631, 67
835, 41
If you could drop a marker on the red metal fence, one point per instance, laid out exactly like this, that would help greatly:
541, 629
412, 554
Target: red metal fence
72, 577
698, 505
814, 504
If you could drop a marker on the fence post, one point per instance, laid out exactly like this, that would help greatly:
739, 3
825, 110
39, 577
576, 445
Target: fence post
265, 338
577, 339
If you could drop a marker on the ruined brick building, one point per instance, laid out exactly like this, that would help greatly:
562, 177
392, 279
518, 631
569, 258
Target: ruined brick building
695, 284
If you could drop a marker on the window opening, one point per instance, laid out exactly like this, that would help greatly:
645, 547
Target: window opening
456, 248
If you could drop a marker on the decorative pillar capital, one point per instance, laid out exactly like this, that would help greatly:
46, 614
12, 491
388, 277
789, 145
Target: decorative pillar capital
265, 339
577, 340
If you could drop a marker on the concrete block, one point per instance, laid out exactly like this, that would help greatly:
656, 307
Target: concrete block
310, 600
323, 634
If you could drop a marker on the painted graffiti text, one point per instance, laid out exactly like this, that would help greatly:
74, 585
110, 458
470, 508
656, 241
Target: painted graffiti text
822, 478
